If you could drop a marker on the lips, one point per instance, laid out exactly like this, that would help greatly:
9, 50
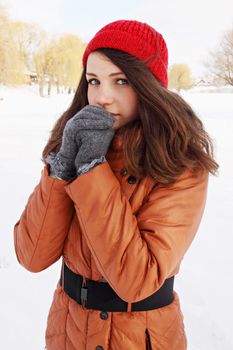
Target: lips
112, 113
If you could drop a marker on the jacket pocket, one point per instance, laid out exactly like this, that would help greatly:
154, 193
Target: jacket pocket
148, 341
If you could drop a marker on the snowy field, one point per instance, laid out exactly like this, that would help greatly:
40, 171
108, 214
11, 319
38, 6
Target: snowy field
205, 282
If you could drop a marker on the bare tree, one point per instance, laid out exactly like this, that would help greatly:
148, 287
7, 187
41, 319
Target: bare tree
220, 62
59, 63
28, 38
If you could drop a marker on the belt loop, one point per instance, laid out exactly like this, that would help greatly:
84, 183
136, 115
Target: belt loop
84, 282
84, 291
129, 307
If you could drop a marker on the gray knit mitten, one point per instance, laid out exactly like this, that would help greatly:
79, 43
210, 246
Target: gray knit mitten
88, 131
95, 135
62, 163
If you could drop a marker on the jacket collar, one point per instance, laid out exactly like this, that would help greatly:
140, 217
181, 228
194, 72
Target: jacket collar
115, 155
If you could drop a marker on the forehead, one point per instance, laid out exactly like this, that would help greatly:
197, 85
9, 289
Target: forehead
97, 62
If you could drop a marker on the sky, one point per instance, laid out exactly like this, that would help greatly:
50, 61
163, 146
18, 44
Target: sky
191, 29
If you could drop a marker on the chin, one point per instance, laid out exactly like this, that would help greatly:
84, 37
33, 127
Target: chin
116, 126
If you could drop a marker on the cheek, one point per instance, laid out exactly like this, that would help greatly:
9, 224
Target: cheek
89, 97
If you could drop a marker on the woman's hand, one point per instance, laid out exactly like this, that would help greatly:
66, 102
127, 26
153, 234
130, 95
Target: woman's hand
86, 136
94, 135
62, 164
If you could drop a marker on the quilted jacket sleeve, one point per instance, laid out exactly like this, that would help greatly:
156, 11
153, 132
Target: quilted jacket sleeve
40, 232
136, 253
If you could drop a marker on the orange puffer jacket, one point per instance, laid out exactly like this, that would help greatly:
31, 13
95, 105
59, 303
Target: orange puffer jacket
134, 235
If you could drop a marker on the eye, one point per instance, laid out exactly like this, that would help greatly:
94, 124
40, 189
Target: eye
93, 81
90, 81
125, 81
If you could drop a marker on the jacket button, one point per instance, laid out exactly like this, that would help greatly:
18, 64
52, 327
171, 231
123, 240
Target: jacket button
132, 180
123, 172
104, 315
99, 347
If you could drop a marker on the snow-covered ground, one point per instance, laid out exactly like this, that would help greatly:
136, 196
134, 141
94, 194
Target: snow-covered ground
205, 282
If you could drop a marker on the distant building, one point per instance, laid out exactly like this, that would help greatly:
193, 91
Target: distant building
32, 76
201, 82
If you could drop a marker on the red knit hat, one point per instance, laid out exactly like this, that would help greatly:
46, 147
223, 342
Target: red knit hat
136, 38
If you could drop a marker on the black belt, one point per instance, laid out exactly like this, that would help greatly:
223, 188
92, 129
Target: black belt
100, 296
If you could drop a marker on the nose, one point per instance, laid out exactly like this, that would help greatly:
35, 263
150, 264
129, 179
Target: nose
104, 97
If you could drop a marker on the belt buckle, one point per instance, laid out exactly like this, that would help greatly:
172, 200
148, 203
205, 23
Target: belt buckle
84, 292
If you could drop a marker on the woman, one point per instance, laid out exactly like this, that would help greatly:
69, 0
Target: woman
121, 197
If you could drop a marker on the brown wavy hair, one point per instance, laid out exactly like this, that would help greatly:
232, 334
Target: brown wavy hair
166, 139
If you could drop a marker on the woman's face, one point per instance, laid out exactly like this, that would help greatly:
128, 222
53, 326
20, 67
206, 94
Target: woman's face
109, 88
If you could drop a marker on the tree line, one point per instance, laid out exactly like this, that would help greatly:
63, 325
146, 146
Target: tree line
28, 53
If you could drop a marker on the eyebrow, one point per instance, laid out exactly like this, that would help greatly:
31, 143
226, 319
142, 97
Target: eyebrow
110, 75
